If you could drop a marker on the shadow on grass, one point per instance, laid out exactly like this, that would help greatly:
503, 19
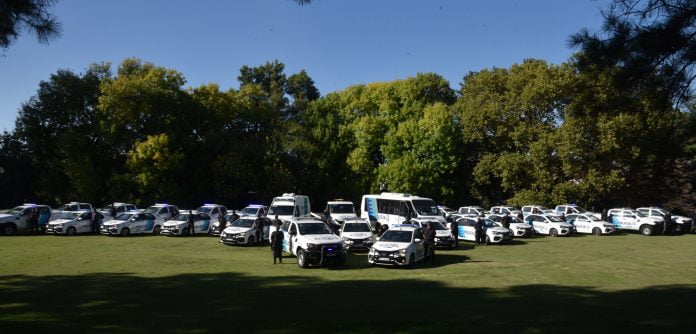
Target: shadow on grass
232, 302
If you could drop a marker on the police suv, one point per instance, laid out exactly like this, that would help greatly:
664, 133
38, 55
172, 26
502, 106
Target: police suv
472, 211
517, 226
312, 242
501, 210
401, 245
162, 211
120, 208
629, 219
129, 223
549, 224
16, 220
494, 233
685, 224
71, 223
585, 223
568, 209
71, 207
243, 232
179, 224
338, 212
537, 210
357, 234
256, 210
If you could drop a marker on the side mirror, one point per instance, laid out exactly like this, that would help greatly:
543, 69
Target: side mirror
79, 218
132, 219
417, 240
377, 239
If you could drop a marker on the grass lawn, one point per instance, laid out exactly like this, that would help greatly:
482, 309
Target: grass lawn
624, 282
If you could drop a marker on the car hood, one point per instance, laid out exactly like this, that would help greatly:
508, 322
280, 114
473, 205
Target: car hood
4, 216
174, 223
356, 235
113, 222
520, 225
322, 239
389, 245
236, 229
673, 217
499, 229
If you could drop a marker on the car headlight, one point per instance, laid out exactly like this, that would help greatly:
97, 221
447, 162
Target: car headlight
402, 252
371, 251
223, 234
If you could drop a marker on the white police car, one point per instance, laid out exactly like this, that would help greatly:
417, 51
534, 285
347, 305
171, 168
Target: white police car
179, 224
119, 207
401, 245
549, 224
253, 210
443, 235
129, 223
537, 210
568, 209
71, 223
503, 209
585, 223
632, 220
312, 242
16, 220
357, 234
243, 232
517, 226
472, 211
162, 211
71, 207
494, 233
684, 224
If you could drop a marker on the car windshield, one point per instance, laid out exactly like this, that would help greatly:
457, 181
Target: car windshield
396, 236
125, 216
593, 218
356, 227
15, 211
341, 208
639, 214
579, 209
426, 207
153, 210
313, 228
489, 223
554, 219
437, 226
68, 215
249, 211
205, 209
281, 210
447, 209
243, 223
68, 207
661, 212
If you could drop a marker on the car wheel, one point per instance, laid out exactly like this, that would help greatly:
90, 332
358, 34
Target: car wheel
157, 230
301, 259
70, 231
553, 232
488, 240
646, 230
596, 231
125, 232
9, 229
251, 240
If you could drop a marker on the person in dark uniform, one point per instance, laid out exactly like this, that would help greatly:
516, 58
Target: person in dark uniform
429, 242
34, 220
258, 225
277, 244
377, 227
454, 227
604, 214
478, 227
189, 222
235, 216
96, 218
223, 222
668, 223
112, 211
383, 228
506, 220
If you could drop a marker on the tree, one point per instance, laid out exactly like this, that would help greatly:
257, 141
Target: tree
32, 16
154, 166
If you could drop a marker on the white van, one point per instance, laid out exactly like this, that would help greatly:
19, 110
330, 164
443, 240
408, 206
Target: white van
393, 209
289, 205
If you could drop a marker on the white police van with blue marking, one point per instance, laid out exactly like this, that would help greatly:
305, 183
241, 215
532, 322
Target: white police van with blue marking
312, 242
178, 225
129, 223
16, 220
401, 245
396, 208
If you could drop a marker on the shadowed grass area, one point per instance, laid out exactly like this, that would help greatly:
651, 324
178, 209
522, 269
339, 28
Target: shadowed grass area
194, 285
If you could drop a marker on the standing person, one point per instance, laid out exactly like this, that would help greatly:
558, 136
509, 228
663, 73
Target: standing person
668, 223
277, 244
429, 242
604, 214
34, 221
506, 220
223, 222
190, 220
112, 211
258, 225
377, 227
454, 227
95, 220
235, 216
478, 227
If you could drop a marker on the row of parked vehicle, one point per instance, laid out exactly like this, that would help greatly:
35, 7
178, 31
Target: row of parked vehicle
389, 226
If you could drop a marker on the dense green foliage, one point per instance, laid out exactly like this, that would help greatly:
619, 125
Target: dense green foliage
625, 282
531, 133
27, 16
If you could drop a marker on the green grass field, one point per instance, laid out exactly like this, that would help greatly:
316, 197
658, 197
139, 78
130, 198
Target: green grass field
624, 282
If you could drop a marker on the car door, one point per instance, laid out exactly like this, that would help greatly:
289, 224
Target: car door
267, 225
418, 247
286, 236
84, 224
582, 224
202, 223
540, 224
629, 220
466, 229
292, 238
44, 216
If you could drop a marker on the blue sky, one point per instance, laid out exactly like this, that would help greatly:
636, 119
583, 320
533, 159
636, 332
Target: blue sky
339, 43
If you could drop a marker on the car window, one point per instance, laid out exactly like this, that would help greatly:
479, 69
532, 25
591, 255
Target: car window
628, 214
215, 211
293, 228
86, 215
